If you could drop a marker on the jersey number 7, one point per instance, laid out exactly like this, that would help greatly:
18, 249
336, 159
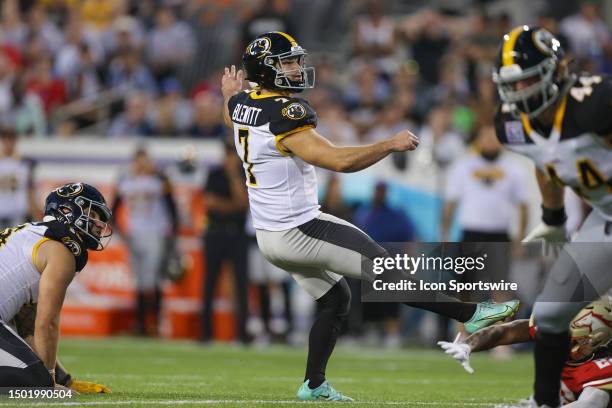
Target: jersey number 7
243, 138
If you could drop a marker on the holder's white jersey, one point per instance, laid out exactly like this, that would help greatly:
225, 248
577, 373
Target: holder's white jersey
282, 188
19, 277
577, 151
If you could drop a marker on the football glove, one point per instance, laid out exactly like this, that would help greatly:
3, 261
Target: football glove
553, 237
86, 387
459, 351
548, 233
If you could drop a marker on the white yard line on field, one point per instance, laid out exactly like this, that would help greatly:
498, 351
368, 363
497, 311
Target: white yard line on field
245, 402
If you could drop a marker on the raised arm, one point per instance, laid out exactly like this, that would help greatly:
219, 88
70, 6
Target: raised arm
231, 84
313, 148
513, 332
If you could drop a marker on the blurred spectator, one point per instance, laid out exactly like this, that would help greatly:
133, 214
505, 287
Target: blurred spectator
333, 202
374, 37
41, 27
207, 116
17, 193
391, 120
14, 31
365, 98
486, 187
98, 14
50, 90
128, 72
334, 124
133, 122
429, 40
440, 145
269, 15
171, 44
385, 225
172, 113
126, 35
27, 115
146, 195
226, 239
588, 35
68, 59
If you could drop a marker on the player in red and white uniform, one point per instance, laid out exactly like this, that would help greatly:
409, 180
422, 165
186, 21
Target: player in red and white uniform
587, 376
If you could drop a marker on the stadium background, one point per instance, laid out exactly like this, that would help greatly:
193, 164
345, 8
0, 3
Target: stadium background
84, 83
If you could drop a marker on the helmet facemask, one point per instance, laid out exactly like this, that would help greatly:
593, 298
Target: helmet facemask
94, 223
540, 93
283, 78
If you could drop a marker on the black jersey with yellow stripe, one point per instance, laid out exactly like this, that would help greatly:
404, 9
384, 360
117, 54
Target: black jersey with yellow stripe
585, 108
64, 234
284, 114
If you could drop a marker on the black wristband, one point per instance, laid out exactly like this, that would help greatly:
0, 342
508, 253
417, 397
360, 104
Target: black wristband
555, 218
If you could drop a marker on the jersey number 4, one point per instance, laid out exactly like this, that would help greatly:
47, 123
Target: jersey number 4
243, 138
590, 176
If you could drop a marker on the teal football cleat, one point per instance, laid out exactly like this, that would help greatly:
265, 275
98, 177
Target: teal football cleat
488, 313
324, 392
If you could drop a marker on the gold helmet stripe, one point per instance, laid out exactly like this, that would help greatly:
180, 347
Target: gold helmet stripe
290, 38
508, 47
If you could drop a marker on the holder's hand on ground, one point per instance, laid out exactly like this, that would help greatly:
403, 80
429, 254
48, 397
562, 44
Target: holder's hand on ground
404, 140
459, 351
231, 82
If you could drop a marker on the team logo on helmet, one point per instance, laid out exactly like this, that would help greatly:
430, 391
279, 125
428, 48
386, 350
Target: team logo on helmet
72, 246
294, 111
545, 41
259, 46
69, 190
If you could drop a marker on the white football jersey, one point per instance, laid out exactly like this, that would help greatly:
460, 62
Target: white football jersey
19, 277
15, 176
282, 188
577, 150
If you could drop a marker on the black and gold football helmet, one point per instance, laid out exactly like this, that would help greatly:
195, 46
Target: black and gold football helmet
74, 204
526, 70
263, 63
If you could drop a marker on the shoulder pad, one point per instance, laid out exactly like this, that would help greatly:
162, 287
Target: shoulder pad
591, 104
294, 114
60, 232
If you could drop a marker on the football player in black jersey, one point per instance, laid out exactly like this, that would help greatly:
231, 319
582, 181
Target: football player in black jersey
276, 139
37, 263
563, 122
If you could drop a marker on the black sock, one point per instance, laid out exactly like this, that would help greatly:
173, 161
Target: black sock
333, 309
460, 311
551, 352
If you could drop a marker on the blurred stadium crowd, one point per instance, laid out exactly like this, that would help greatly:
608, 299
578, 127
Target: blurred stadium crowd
151, 69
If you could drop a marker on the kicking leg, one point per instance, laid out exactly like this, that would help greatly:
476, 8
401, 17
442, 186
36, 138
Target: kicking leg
346, 250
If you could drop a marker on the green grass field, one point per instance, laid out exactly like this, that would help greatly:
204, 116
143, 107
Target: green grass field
152, 373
